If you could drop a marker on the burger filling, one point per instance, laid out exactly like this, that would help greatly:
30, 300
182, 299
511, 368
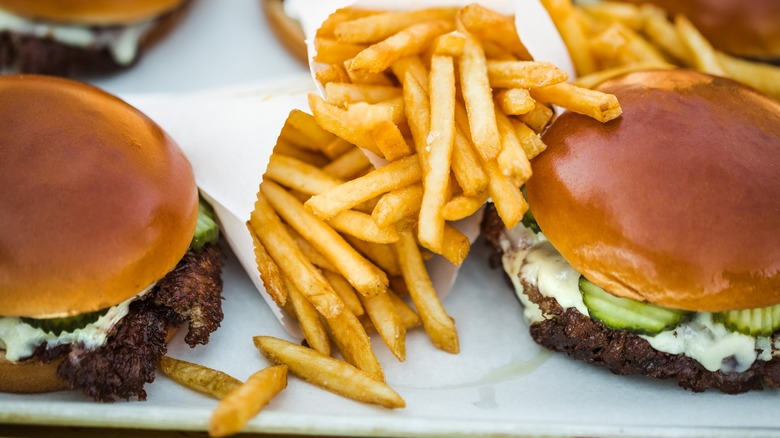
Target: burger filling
122, 42
529, 259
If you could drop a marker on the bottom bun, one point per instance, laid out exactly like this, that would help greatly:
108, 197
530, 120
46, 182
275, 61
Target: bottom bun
30, 376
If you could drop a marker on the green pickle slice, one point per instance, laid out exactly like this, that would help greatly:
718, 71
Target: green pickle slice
206, 230
69, 324
754, 322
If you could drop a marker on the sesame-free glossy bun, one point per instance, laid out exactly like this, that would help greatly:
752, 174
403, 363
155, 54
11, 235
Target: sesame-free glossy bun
677, 202
90, 12
96, 201
30, 376
745, 28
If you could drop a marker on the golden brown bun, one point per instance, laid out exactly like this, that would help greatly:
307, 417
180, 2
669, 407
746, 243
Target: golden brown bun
748, 28
91, 12
30, 376
676, 202
98, 202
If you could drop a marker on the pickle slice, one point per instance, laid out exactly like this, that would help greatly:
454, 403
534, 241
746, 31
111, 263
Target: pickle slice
68, 324
206, 230
754, 322
627, 314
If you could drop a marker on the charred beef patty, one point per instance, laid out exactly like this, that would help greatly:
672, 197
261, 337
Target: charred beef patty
191, 294
624, 353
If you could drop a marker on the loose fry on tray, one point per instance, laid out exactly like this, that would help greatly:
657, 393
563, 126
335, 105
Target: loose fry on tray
362, 226
291, 261
269, 271
491, 26
328, 373
479, 99
409, 41
515, 101
400, 173
387, 322
439, 326
246, 401
562, 14
309, 320
198, 377
300, 176
398, 204
352, 341
349, 165
524, 74
702, 52
378, 27
601, 106
439, 151
343, 94
362, 274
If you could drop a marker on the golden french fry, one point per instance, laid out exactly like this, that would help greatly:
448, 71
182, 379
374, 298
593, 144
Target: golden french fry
409, 41
701, 51
408, 316
315, 257
398, 284
362, 226
466, 166
343, 94
354, 344
415, 67
299, 176
382, 255
390, 141
345, 291
387, 322
509, 201
456, 245
562, 14
515, 101
349, 165
283, 147
246, 401
291, 261
611, 11
335, 120
462, 206
661, 32
330, 51
595, 78
418, 112
337, 147
449, 44
400, 173
292, 135
439, 326
479, 99
306, 124
328, 28
362, 274
439, 146
524, 74
309, 320
538, 118
601, 106
366, 115
381, 26
398, 204
512, 160
616, 44
530, 141
332, 73
328, 373
199, 377
491, 26
269, 271
365, 77
761, 76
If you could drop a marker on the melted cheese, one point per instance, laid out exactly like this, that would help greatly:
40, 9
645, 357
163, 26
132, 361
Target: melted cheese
20, 339
706, 341
122, 41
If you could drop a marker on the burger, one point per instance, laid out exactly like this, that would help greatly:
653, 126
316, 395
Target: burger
104, 245
748, 29
652, 244
65, 37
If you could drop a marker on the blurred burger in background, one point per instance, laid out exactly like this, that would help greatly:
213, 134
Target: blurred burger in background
105, 248
65, 37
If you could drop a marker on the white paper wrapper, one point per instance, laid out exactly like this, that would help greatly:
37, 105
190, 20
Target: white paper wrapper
229, 134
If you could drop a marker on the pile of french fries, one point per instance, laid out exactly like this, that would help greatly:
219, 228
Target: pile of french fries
607, 39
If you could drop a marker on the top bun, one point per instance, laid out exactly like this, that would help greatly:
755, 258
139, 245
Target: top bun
90, 12
677, 202
745, 28
97, 201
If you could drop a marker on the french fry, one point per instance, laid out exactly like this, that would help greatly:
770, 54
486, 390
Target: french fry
515, 101
439, 326
366, 115
300, 176
701, 51
466, 166
409, 41
595, 78
332, 73
335, 120
352, 341
328, 27
479, 99
449, 44
343, 94
362, 226
562, 14
305, 123
440, 143
538, 118
456, 245
387, 322
512, 160
408, 316
509, 202
309, 320
530, 141
285, 252
462, 206
246, 401
198, 377
381, 26
398, 285
601, 106
349, 165
398, 174
269, 271
761, 76
415, 67
398, 204
311, 253
292, 135
285, 148
625, 13
418, 112
524, 74
345, 291
390, 141
336, 148
662, 33
381, 255
491, 26
335, 52
362, 274
366, 77
328, 373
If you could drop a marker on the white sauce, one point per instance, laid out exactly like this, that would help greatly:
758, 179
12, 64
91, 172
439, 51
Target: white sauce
20, 339
122, 42
702, 339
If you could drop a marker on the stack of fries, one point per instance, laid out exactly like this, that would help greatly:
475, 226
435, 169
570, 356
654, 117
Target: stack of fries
607, 39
